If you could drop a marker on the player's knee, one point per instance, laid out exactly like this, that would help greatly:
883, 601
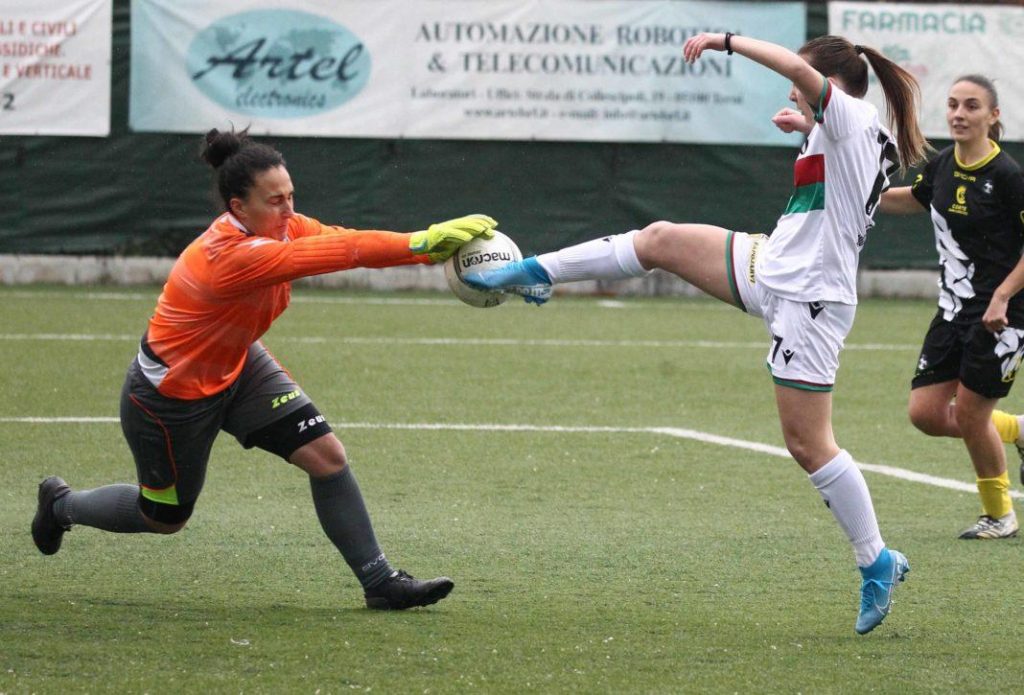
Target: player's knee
332, 464
926, 419
332, 456
653, 241
165, 529
165, 518
340, 457
801, 452
809, 448
322, 457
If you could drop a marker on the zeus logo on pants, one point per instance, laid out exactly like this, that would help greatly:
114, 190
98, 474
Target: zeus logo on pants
281, 400
311, 422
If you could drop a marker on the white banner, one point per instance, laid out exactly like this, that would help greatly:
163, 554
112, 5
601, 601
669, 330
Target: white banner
598, 70
55, 67
938, 43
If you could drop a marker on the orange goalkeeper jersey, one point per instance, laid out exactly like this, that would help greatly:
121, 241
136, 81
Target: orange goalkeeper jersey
228, 286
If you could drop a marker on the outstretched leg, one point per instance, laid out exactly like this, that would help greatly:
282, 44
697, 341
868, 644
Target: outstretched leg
110, 508
697, 253
344, 518
113, 508
170, 442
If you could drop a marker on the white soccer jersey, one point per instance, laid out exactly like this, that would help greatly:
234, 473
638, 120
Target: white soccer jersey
841, 171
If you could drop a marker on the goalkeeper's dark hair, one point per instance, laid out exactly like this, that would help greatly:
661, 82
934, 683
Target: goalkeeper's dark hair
238, 160
834, 56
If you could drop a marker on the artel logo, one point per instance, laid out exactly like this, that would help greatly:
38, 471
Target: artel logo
490, 257
278, 63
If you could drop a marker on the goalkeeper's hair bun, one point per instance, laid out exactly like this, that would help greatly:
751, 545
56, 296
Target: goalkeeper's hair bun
237, 159
218, 146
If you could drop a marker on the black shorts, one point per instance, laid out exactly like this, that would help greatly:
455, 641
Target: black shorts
984, 362
171, 439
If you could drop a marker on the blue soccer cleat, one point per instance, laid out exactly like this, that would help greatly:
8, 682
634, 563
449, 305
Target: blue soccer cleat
527, 278
880, 579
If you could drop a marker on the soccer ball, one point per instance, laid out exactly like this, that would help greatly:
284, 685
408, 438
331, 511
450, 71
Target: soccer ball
477, 255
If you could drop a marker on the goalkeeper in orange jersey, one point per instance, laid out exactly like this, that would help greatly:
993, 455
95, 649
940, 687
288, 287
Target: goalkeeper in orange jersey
201, 369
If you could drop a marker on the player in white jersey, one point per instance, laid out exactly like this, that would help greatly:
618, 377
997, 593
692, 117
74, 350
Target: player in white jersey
802, 279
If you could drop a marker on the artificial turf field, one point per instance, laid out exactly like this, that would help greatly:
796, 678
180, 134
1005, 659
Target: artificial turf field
560, 464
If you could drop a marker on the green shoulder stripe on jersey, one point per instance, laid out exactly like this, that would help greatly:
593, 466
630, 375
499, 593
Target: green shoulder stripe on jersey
807, 198
169, 495
819, 108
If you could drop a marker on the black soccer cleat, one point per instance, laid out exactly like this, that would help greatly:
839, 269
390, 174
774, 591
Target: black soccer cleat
401, 590
47, 532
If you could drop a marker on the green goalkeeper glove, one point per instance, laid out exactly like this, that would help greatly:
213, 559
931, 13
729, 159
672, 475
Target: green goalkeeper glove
441, 240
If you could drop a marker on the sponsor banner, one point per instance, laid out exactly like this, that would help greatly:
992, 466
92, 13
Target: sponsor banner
55, 67
938, 43
503, 69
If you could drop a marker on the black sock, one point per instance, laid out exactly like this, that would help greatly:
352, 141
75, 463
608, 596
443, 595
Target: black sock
343, 516
110, 508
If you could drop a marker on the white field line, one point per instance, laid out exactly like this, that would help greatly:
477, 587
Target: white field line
138, 296
299, 298
676, 432
497, 342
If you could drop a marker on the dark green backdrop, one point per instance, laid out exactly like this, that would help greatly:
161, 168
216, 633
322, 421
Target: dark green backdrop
147, 194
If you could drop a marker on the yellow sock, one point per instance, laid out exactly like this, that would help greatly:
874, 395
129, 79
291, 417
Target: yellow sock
1007, 426
995, 495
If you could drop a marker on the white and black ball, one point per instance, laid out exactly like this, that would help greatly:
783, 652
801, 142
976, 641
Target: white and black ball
476, 256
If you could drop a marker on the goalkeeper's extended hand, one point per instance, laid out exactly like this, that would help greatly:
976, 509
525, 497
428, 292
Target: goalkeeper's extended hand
527, 278
441, 240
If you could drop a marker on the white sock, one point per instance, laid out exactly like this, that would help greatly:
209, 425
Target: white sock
610, 258
845, 491
1020, 424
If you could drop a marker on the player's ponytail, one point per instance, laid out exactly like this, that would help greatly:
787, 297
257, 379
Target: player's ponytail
834, 56
237, 160
995, 131
902, 96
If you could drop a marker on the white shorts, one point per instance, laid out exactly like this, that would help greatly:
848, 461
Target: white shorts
806, 336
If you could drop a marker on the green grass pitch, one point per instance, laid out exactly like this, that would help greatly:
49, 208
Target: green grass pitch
605, 557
